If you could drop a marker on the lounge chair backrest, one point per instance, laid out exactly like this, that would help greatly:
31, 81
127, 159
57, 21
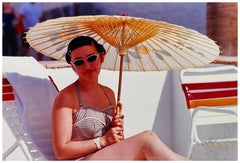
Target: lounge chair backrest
34, 96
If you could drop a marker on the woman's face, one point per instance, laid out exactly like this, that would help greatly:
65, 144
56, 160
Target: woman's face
86, 62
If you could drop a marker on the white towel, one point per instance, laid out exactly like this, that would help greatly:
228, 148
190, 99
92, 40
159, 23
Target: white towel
35, 95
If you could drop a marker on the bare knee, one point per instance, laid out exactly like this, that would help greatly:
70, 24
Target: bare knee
150, 134
149, 137
149, 140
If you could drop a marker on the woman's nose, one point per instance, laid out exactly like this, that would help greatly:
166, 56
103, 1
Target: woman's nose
86, 65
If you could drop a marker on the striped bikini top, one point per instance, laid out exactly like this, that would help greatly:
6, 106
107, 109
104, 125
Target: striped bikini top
90, 122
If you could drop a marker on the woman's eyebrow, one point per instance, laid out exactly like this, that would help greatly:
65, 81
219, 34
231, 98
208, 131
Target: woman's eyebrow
77, 58
92, 54
87, 56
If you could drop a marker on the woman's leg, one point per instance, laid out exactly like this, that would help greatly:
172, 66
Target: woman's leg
144, 146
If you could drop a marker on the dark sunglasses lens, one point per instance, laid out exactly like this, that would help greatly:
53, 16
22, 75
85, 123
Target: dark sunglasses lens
92, 58
79, 62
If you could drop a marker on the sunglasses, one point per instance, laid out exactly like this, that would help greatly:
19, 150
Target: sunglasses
91, 58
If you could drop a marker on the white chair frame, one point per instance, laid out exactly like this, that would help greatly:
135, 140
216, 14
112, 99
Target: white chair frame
205, 115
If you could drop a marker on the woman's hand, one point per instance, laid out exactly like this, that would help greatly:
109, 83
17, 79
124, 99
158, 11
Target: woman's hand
115, 134
118, 118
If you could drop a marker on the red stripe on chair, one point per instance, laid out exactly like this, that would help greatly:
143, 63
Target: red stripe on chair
210, 94
213, 94
210, 85
7, 88
8, 97
5, 81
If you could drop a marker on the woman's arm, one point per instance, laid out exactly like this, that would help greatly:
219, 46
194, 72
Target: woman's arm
64, 147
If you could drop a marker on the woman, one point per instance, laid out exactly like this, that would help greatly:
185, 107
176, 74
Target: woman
86, 125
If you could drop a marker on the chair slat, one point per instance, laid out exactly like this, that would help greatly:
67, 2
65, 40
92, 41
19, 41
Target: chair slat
8, 97
5, 81
213, 94
212, 102
210, 85
7, 88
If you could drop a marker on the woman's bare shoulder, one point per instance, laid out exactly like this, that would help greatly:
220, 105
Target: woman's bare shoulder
66, 97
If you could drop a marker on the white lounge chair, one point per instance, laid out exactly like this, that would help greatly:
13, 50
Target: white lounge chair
27, 107
211, 97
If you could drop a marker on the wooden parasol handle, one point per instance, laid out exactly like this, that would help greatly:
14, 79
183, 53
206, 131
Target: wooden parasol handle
120, 81
122, 53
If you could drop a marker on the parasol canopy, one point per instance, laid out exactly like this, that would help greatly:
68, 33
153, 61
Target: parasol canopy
131, 43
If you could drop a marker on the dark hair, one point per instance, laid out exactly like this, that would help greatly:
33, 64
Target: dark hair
82, 41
